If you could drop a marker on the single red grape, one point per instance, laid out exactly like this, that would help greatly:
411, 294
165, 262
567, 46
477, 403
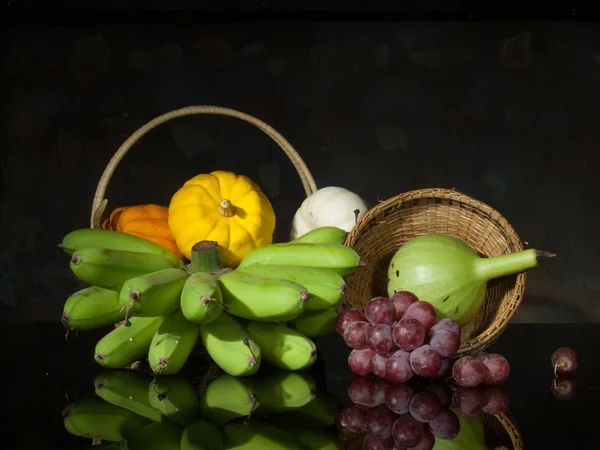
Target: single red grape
564, 387
425, 361
398, 397
468, 401
497, 368
422, 311
398, 367
496, 399
380, 310
374, 443
380, 420
445, 369
361, 391
406, 431
424, 406
361, 361
401, 301
446, 324
379, 338
445, 425
355, 335
565, 361
468, 372
379, 365
408, 334
346, 317
428, 441
445, 342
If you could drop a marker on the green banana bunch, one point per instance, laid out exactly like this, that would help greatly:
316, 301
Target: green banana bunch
114, 240
338, 258
172, 344
227, 398
155, 293
283, 391
251, 297
323, 235
326, 288
91, 308
110, 269
127, 389
127, 344
157, 436
281, 346
175, 398
317, 324
201, 299
201, 435
95, 418
256, 435
230, 346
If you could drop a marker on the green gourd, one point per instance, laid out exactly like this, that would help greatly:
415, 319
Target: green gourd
449, 274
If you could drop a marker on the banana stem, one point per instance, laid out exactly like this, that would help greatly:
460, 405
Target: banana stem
205, 257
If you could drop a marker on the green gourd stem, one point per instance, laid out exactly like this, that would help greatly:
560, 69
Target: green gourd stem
205, 257
500, 266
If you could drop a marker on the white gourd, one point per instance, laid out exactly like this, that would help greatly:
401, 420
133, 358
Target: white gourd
329, 206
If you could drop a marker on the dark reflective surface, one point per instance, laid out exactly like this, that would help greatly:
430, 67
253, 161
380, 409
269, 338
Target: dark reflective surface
43, 373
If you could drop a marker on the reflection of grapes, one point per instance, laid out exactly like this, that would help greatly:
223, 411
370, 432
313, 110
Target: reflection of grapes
374, 443
428, 441
380, 310
379, 338
379, 364
379, 388
401, 301
361, 391
355, 419
398, 397
446, 324
425, 361
361, 361
398, 367
564, 388
408, 334
445, 369
496, 399
468, 401
424, 406
468, 371
422, 311
406, 431
445, 342
355, 335
346, 317
565, 361
443, 392
445, 425
380, 420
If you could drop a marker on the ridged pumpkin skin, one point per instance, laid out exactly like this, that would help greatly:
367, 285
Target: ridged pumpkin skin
223, 207
149, 222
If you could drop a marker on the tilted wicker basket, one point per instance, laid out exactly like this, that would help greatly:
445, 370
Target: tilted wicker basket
384, 228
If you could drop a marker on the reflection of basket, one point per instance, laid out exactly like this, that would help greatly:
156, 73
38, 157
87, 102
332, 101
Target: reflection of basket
384, 228
501, 432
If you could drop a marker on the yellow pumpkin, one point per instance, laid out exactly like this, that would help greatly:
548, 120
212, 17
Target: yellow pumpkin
223, 207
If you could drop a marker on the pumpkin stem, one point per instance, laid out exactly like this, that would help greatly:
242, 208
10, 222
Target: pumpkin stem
226, 209
205, 257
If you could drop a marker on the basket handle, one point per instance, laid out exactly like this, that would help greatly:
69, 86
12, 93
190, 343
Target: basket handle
99, 204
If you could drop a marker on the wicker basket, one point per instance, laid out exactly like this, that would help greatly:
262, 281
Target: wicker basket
383, 229
501, 432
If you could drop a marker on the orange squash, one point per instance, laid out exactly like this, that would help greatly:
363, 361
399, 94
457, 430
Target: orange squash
149, 222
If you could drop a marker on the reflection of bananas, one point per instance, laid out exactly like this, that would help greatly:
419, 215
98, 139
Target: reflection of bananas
283, 391
318, 413
157, 436
201, 435
175, 398
256, 435
227, 398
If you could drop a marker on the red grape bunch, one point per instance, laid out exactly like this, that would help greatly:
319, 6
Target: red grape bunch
411, 415
564, 362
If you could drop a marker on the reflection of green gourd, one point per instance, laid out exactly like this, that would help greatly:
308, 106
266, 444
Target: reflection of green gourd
471, 435
446, 272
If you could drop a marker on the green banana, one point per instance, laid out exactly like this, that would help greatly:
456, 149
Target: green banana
323, 235
114, 240
110, 269
127, 389
201, 299
172, 344
91, 308
157, 436
154, 294
281, 346
258, 298
175, 398
317, 324
256, 435
95, 418
227, 398
326, 288
339, 258
283, 391
127, 344
318, 413
230, 346
201, 435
